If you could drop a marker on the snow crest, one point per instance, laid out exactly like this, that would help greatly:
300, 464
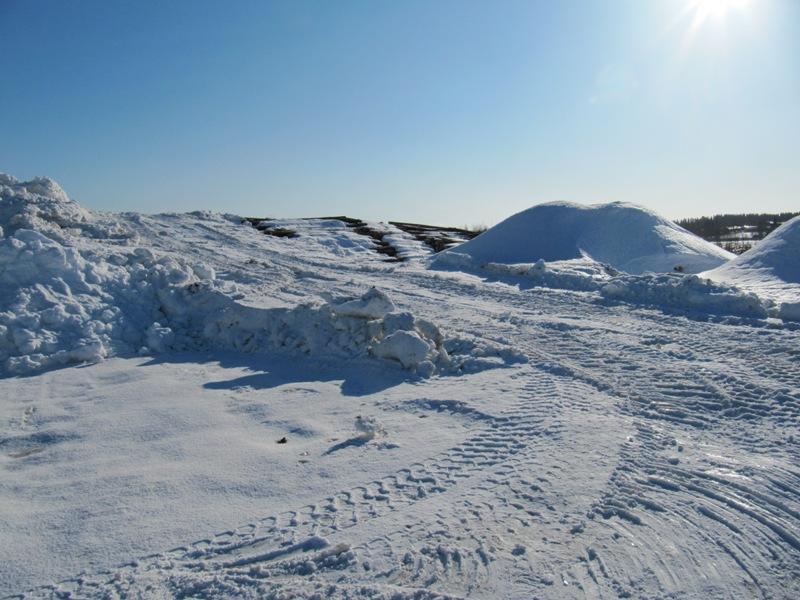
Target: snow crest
41, 205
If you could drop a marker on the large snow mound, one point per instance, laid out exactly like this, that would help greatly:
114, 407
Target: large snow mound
771, 268
626, 237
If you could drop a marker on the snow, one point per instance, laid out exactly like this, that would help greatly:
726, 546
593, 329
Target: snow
192, 408
688, 292
577, 274
628, 238
771, 268
368, 428
406, 347
619, 251
67, 300
372, 305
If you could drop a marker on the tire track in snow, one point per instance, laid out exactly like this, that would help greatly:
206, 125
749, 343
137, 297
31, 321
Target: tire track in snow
261, 541
693, 389
698, 382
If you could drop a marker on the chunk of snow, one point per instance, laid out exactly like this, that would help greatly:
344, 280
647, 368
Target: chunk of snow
789, 311
368, 428
403, 321
159, 339
373, 305
204, 271
406, 347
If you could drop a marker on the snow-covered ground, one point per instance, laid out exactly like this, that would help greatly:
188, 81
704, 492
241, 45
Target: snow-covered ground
192, 408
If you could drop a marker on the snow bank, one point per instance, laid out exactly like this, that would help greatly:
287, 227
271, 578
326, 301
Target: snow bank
628, 238
771, 268
672, 290
66, 299
60, 305
687, 292
582, 274
201, 315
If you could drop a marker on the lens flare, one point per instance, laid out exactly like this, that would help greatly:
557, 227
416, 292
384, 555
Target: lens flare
714, 9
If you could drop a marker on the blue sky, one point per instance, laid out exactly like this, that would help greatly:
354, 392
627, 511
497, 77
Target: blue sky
450, 112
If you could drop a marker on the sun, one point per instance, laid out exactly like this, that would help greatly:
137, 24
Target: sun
705, 10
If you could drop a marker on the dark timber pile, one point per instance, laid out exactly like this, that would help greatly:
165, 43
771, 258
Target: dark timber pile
362, 228
438, 238
263, 226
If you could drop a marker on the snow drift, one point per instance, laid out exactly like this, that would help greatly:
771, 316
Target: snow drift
667, 290
626, 237
70, 294
771, 268
685, 292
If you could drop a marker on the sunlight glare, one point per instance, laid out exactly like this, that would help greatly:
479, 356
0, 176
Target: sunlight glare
714, 9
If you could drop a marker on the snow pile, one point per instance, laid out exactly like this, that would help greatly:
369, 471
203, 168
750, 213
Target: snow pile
66, 298
61, 305
771, 268
582, 274
368, 428
621, 251
686, 292
41, 205
626, 237
200, 315
672, 290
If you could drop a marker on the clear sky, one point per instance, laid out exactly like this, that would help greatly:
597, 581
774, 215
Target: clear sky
449, 112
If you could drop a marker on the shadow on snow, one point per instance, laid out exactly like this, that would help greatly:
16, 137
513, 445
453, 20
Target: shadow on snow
358, 377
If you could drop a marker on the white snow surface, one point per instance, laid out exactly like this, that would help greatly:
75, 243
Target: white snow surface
629, 238
68, 296
770, 268
621, 252
192, 408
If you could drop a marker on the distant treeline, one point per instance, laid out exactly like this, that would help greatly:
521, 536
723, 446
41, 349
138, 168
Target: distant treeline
716, 227
723, 229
